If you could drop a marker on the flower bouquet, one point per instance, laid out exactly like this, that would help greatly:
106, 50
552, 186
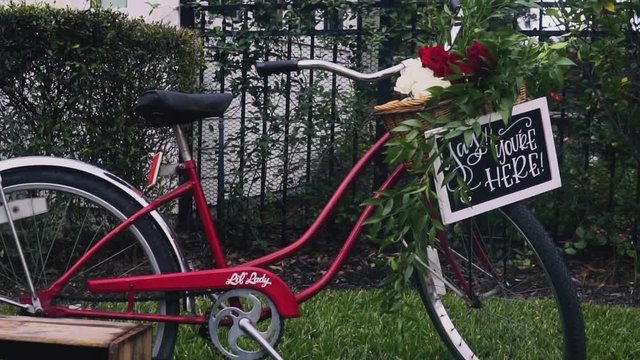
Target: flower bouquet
435, 70
487, 69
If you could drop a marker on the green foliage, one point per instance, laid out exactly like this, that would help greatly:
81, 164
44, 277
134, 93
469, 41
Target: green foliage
598, 204
69, 81
607, 53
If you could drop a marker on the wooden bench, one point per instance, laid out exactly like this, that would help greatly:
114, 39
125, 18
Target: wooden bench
23, 337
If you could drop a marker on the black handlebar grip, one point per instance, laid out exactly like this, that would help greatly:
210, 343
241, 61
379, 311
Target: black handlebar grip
276, 67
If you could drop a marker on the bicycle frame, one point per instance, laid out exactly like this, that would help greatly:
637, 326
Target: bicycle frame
247, 275
286, 302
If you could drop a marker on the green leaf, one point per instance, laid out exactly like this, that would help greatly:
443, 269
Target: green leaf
452, 134
610, 6
563, 61
449, 177
401, 128
413, 123
393, 263
373, 220
411, 136
558, 46
455, 124
570, 251
372, 202
408, 272
468, 137
580, 244
529, 4
477, 128
505, 112
553, 12
388, 207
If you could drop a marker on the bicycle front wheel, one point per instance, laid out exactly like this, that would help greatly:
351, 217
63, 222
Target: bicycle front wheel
59, 214
496, 287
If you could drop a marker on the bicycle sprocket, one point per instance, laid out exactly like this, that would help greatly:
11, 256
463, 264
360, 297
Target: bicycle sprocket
225, 332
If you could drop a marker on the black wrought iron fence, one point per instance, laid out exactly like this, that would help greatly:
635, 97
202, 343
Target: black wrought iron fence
287, 139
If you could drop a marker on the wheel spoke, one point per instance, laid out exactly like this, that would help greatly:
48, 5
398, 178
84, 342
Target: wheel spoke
54, 239
76, 241
9, 261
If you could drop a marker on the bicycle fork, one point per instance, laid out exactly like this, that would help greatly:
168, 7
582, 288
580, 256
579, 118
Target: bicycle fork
35, 306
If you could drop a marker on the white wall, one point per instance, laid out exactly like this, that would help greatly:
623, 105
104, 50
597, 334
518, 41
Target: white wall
162, 11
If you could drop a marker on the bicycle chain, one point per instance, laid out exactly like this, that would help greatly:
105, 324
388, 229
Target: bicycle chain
204, 328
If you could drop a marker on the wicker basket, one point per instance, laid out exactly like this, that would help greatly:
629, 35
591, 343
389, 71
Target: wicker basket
395, 112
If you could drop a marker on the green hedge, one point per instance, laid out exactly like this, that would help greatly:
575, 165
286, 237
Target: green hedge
69, 80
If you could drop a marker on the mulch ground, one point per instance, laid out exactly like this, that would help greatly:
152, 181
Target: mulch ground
598, 278
604, 280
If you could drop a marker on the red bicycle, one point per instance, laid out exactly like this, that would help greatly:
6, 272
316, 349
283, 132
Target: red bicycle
77, 241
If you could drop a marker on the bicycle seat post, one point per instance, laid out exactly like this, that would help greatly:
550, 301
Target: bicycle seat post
183, 145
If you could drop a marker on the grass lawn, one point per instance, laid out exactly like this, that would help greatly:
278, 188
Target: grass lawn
351, 325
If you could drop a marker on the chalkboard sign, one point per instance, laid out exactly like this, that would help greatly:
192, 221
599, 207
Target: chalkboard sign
523, 163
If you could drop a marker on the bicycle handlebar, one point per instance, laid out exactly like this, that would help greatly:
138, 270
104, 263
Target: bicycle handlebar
284, 66
267, 68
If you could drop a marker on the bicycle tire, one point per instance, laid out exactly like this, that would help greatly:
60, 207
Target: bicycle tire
89, 207
465, 330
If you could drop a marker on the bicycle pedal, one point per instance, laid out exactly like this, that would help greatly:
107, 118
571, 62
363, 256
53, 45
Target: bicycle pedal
246, 326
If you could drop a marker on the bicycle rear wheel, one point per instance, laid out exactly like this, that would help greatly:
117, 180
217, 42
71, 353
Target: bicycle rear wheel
59, 214
509, 294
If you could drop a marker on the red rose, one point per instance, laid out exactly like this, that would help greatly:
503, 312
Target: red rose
435, 58
454, 59
480, 56
444, 63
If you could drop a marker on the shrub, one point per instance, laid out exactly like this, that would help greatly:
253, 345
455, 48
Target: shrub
69, 81
598, 207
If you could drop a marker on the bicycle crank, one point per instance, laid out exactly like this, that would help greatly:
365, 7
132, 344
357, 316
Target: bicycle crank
238, 329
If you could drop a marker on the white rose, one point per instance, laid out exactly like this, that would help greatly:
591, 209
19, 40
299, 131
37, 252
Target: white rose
415, 79
407, 76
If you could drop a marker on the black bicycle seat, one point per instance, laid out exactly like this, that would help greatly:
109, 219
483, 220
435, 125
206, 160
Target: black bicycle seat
165, 108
